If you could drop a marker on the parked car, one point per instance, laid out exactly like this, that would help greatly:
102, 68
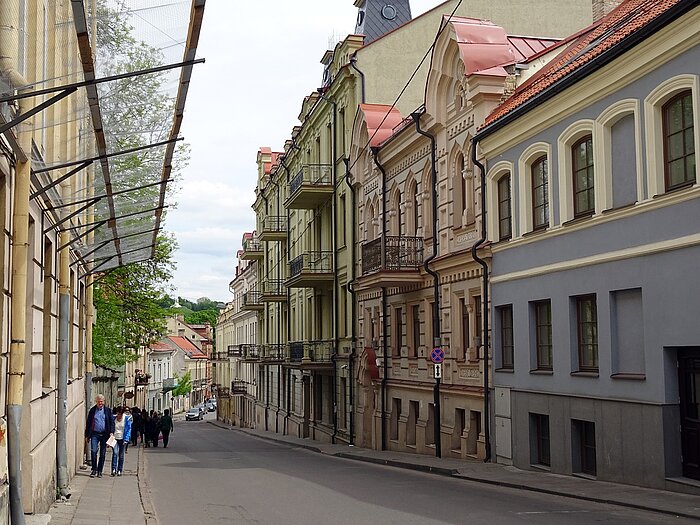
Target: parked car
194, 414
211, 407
202, 408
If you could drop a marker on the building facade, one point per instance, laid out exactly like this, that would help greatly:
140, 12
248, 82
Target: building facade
593, 223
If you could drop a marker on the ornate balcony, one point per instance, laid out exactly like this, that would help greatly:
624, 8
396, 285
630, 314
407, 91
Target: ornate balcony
252, 250
391, 260
234, 351
311, 187
219, 356
252, 300
274, 291
274, 228
273, 352
238, 387
250, 352
310, 354
311, 270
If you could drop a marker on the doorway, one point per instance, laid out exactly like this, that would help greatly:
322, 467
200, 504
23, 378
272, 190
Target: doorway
689, 386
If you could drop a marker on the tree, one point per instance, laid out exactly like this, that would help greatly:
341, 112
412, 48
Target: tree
184, 384
127, 307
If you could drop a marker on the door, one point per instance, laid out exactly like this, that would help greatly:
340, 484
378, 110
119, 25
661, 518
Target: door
689, 385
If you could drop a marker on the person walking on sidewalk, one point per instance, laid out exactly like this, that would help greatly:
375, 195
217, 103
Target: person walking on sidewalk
122, 433
166, 426
98, 427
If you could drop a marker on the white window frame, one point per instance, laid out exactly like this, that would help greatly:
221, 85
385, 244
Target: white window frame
530, 155
492, 177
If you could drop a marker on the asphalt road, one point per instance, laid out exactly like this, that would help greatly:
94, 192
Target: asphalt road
212, 475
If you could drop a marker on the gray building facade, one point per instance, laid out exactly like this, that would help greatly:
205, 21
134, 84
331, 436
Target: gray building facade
594, 208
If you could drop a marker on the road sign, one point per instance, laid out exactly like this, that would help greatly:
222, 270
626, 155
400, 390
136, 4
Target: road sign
437, 355
437, 370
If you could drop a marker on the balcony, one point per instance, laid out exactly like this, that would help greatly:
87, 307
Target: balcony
223, 392
311, 187
252, 250
219, 356
252, 300
234, 351
310, 354
238, 387
391, 260
311, 270
273, 352
274, 228
274, 291
250, 352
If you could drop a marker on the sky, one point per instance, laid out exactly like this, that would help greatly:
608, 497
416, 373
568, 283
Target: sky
262, 59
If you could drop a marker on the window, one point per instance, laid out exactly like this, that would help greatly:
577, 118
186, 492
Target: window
411, 423
458, 429
505, 314
466, 343
416, 204
415, 321
478, 319
587, 321
582, 160
583, 445
430, 425
395, 415
543, 334
540, 196
398, 332
504, 212
539, 440
343, 221
460, 189
679, 141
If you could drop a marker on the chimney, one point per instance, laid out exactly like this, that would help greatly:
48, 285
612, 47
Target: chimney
603, 7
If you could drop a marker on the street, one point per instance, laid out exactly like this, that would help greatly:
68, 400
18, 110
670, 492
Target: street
214, 475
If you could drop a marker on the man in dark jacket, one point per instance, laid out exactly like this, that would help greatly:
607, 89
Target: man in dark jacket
166, 426
98, 427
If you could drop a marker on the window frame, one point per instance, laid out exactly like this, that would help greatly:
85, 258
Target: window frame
679, 96
541, 364
544, 161
506, 342
594, 365
576, 169
504, 181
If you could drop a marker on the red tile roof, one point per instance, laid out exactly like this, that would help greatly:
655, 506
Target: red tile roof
188, 346
628, 18
380, 120
159, 346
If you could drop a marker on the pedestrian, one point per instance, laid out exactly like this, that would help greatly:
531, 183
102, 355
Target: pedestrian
156, 428
122, 433
127, 414
166, 426
135, 425
98, 428
146, 429
151, 430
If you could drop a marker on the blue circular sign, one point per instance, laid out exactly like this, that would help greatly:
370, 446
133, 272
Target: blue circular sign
437, 355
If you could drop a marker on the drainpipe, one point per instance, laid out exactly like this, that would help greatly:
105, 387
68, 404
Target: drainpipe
437, 334
351, 289
385, 306
334, 224
485, 297
63, 353
283, 162
353, 64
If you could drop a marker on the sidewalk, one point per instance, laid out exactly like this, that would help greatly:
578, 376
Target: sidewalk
121, 500
662, 501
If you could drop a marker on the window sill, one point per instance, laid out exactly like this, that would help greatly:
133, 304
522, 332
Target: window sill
629, 377
412, 447
505, 370
538, 231
542, 372
584, 476
581, 373
577, 220
539, 466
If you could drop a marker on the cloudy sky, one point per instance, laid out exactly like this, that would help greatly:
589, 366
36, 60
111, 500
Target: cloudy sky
262, 58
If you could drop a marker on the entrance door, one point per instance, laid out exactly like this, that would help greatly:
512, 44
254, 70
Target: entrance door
689, 384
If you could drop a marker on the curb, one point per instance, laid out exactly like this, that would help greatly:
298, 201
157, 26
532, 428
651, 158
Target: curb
149, 512
454, 473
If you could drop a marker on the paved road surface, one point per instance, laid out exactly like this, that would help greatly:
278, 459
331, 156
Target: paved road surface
211, 475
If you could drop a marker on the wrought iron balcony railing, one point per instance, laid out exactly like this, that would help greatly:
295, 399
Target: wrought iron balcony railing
274, 289
252, 299
273, 225
223, 392
273, 352
252, 245
311, 262
234, 351
238, 386
250, 351
392, 252
313, 351
312, 174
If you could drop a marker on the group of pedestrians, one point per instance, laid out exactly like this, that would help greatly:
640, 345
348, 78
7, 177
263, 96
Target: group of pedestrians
119, 427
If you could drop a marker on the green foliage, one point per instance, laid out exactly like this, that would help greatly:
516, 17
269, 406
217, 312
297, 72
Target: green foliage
202, 317
184, 384
128, 314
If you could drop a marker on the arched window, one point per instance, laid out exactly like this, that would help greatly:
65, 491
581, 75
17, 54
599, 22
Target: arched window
460, 185
583, 177
505, 225
679, 141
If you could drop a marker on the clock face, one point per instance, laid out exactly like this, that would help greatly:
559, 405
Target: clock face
389, 11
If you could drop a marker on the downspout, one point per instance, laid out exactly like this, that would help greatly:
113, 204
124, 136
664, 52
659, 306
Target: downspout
334, 224
351, 289
485, 297
437, 334
267, 323
18, 327
353, 64
283, 161
9, 22
385, 317
63, 354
